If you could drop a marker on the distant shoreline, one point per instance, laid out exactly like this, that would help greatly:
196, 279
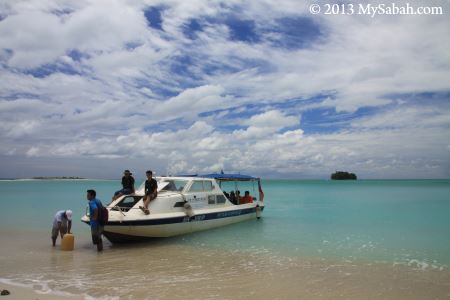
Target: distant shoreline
57, 177
264, 179
45, 178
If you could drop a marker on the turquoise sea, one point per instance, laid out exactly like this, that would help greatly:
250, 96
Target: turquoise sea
391, 222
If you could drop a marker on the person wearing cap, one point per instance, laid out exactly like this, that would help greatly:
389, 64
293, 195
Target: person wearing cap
127, 185
62, 223
151, 191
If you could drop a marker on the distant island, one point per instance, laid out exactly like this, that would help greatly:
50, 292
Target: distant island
57, 177
341, 175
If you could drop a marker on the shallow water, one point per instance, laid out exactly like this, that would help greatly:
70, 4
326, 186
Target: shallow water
316, 240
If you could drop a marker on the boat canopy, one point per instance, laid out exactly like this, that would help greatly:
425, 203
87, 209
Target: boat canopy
230, 177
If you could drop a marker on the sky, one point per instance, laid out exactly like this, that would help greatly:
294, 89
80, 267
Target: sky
92, 87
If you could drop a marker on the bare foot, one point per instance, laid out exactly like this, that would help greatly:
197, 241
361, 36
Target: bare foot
145, 210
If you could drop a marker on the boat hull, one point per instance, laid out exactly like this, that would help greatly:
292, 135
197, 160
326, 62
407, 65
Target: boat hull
141, 230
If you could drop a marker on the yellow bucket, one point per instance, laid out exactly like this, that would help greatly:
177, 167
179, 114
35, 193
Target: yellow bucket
68, 242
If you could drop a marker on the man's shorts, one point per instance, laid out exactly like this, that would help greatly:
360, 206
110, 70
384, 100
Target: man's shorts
152, 195
96, 232
123, 192
55, 230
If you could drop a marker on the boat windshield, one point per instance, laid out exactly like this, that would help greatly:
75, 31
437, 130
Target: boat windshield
241, 186
174, 185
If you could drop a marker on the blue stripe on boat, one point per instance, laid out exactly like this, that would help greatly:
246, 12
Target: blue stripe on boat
200, 217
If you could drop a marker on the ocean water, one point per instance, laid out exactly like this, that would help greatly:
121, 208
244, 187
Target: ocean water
343, 233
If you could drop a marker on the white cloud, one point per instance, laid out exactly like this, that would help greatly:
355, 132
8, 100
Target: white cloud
33, 151
274, 119
127, 88
23, 128
407, 117
393, 153
38, 36
191, 102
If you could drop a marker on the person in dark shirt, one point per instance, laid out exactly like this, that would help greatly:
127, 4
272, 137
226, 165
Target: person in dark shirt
233, 198
127, 185
151, 191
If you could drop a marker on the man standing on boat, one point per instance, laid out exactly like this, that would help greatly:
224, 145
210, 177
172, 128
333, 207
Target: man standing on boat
94, 210
151, 191
62, 223
127, 185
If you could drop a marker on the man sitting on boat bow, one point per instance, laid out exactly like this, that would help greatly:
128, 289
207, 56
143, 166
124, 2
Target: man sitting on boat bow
151, 191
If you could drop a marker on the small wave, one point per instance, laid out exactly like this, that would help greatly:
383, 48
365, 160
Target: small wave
39, 287
87, 297
422, 265
42, 288
11, 282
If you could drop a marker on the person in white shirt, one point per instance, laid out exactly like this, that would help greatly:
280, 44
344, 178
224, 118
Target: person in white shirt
62, 223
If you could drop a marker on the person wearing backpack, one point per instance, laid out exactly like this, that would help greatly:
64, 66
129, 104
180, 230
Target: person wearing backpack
95, 207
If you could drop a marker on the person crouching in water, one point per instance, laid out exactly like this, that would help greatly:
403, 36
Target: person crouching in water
62, 223
151, 191
94, 210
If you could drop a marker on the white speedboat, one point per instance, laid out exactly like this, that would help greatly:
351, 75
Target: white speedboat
183, 205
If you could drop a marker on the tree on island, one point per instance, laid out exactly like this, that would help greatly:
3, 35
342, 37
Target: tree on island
341, 175
57, 177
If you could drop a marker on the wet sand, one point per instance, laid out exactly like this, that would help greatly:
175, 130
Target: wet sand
18, 292
171, 269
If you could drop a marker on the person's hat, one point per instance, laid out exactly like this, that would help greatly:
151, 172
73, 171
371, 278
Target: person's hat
127, 171
69, 215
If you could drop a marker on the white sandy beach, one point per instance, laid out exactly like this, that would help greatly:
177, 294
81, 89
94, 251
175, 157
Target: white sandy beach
167, 270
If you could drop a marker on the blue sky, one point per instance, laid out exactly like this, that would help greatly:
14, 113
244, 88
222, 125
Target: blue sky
89, 88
